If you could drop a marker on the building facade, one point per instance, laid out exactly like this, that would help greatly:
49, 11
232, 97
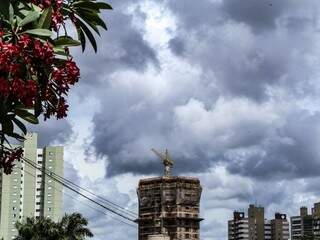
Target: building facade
28, 192
169, 208
256, 227
306, 225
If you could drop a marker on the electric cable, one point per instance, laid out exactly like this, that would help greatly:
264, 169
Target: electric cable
83, 203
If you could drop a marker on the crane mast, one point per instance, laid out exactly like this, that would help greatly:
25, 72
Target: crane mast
166, 160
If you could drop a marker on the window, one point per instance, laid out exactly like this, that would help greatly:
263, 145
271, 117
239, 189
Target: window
39, 155
37, 210
39, 162
39, 175
14, 215
37, 203
50, 153
49, 209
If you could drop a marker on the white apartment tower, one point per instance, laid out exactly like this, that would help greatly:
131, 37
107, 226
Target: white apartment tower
28, 192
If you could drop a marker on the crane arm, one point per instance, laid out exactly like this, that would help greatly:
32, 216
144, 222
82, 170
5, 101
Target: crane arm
161, 156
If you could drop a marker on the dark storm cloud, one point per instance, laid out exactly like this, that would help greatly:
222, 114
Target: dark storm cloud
196, 16
241, 58
247, 63
260, 15
292, 152
121, 47
177, 46
52, 131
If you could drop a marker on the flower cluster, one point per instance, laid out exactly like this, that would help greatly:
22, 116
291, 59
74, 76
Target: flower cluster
57, 17
8, 157
30, 74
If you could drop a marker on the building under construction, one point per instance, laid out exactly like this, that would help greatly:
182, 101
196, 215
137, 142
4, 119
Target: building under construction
169, 206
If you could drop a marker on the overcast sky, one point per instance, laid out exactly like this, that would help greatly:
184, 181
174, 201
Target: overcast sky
230, 87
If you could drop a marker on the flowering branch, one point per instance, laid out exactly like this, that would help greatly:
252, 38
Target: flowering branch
37, 70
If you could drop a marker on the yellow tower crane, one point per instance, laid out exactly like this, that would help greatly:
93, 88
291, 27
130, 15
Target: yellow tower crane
167, 161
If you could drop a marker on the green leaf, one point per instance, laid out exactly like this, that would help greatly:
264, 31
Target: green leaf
45, 19
60, 51
37, 107
7, 126
31, 17
25, 115
85, 4
82, 38
20, 125
89, 35
11, 14
4, 8
39, 32
66, 41
16, 136
103, 5
36, 8
93, 18
93, 26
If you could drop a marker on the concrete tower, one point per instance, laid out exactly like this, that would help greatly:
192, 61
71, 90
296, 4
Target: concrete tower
169, 207
27, 192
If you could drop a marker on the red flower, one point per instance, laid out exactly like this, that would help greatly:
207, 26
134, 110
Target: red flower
62, 108
18, 88
7, 159
4, 87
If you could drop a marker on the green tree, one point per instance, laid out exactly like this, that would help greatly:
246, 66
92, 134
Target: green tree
37, 229
74, 227
71, 227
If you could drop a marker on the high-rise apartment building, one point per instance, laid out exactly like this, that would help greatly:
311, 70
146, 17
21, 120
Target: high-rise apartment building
306, 225
28, 192
256, 227
279, 227
256, 222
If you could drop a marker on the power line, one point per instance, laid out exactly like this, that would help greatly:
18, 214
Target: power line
76, 191
122, 209
62, 182
83, 203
